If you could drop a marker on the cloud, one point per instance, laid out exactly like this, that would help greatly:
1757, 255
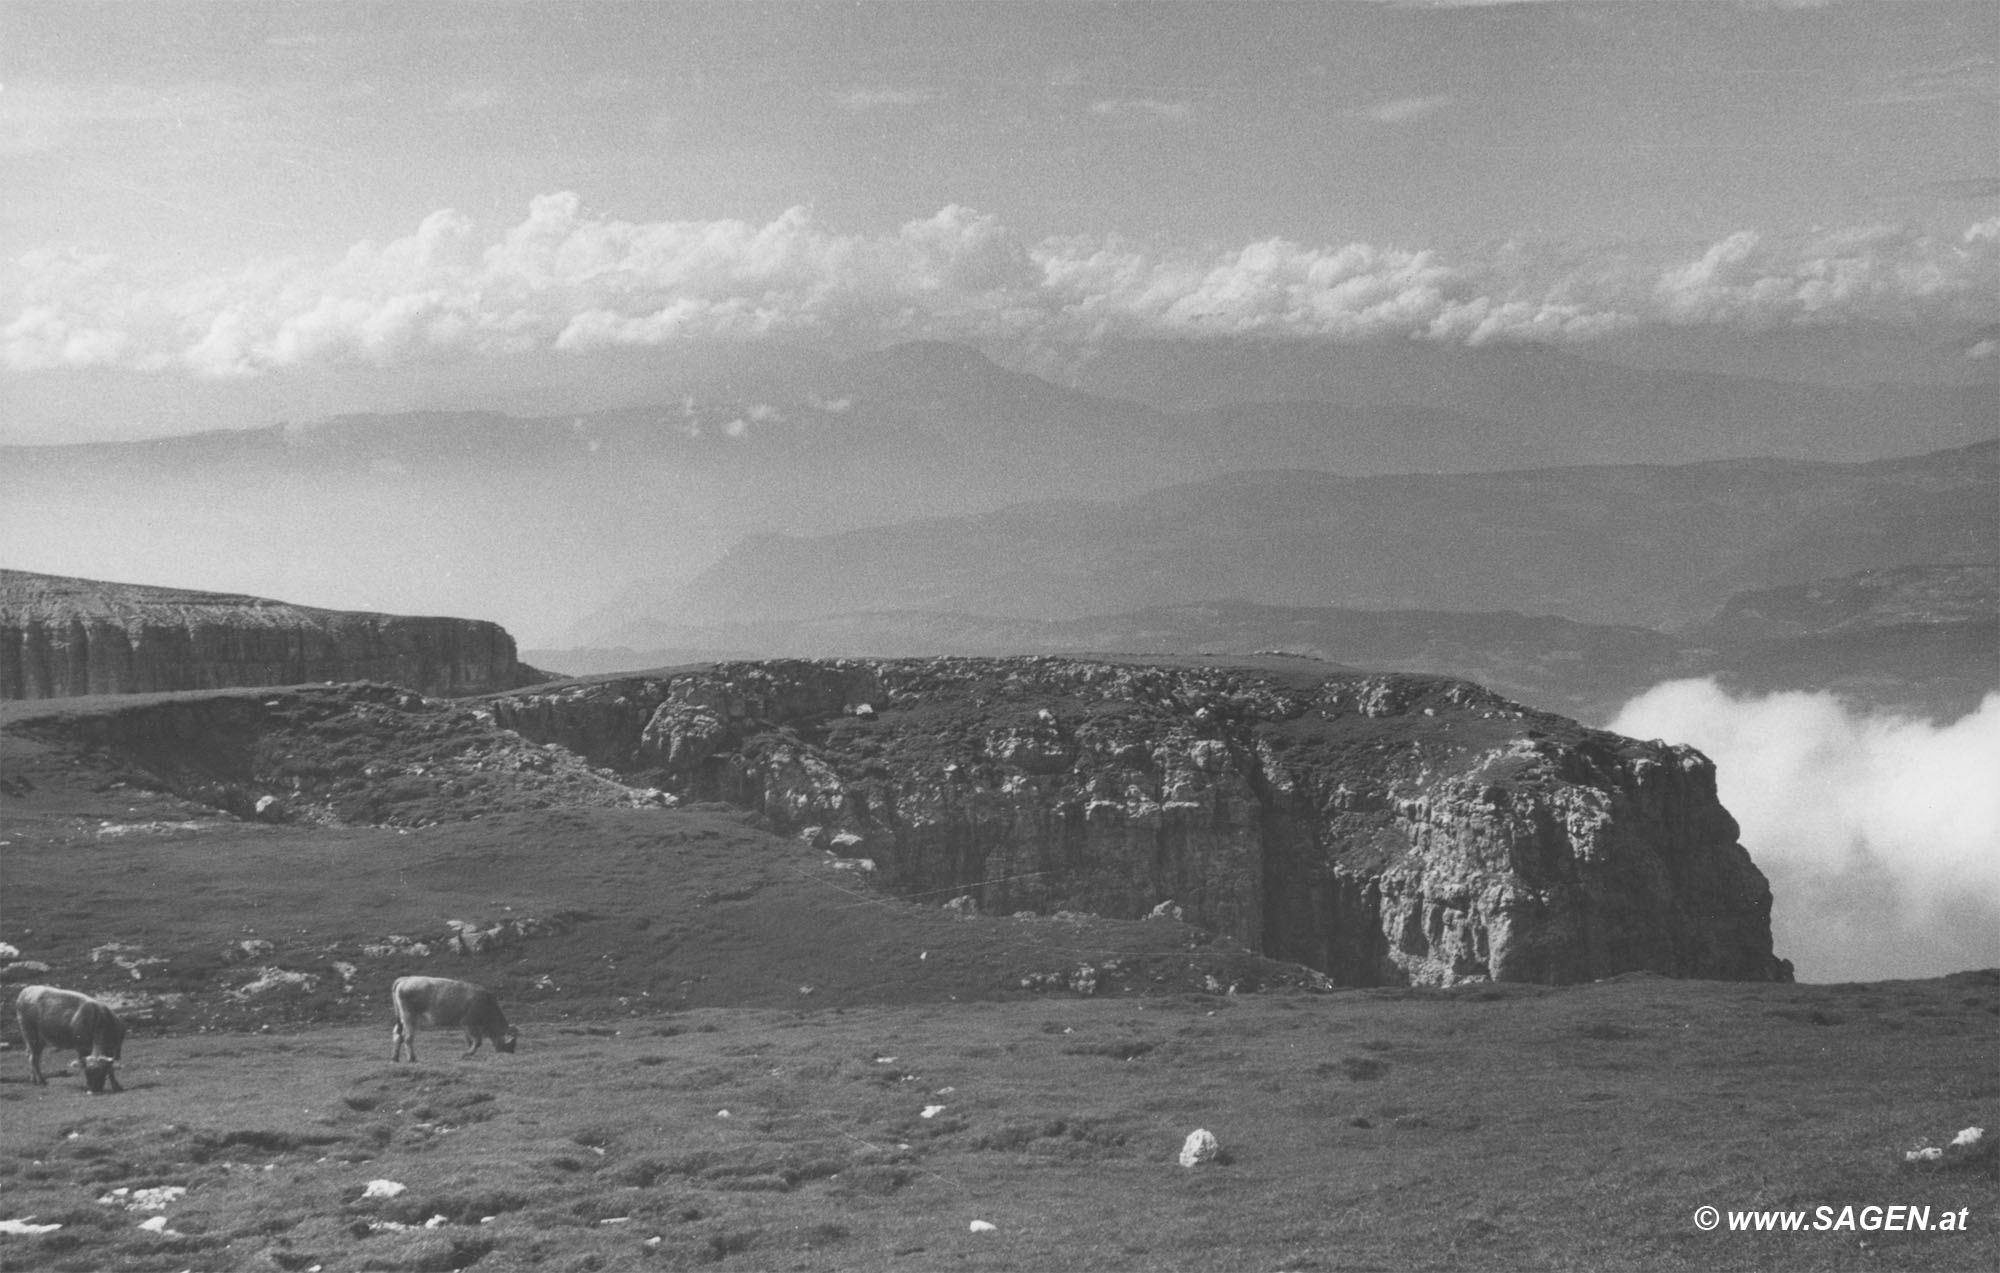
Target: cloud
1405, 109
1966, 78
1141, 109
1965, 188
1881, 834
470, 100
867, 99
561, 279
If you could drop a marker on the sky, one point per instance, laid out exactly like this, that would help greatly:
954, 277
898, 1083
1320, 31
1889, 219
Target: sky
299, 196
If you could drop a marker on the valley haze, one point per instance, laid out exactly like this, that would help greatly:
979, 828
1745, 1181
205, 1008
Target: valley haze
1638, 360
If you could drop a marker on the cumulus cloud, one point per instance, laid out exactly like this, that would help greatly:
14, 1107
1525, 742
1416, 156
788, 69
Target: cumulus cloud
1881, 834
1404, 109
562, 279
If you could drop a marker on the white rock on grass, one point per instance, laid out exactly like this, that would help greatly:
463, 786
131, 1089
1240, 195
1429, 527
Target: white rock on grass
158, 1198
1200, 1147
383, 1189
26, 1227
980, 1226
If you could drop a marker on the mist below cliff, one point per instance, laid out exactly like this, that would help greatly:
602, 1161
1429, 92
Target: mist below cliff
1880, 833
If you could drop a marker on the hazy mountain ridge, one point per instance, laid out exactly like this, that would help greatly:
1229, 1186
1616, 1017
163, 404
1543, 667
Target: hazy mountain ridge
1652, 545
1938, 660
1559, 397
535, 521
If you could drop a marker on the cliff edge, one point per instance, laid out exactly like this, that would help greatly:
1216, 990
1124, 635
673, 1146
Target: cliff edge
62, 637
1384, 829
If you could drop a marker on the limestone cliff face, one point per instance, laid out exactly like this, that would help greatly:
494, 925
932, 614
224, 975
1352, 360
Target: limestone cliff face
61, 637
1383, 829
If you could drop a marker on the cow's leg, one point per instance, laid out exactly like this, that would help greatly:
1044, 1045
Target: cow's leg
472, 1041
403, 1041
35, 1074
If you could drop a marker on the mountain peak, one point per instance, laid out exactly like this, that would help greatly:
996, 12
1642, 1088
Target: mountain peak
925, 360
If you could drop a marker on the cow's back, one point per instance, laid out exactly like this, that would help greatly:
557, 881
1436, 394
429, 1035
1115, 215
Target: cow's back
419, 999
51, 1016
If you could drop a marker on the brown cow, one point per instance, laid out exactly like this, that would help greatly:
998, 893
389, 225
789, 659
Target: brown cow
67, 1019
443, 1002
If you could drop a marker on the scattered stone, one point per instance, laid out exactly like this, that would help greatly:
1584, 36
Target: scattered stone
980, 1226
1165, 910
383, 1189
8, 950
966, 905
1200, 1147
250, 948
125, 956
1970, 1147
26, 1227
931, 1111
158, 1198
269, 979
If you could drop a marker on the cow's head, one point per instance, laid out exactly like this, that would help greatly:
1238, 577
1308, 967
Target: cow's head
97, 1072
507, 1041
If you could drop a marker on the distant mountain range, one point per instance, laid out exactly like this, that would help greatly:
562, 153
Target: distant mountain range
1923, 640
1152, 476
1658, 546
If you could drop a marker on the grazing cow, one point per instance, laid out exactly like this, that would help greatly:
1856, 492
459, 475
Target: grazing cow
442, 1002
67, 1019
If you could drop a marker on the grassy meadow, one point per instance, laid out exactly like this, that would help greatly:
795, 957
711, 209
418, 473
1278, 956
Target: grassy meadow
1479, 1128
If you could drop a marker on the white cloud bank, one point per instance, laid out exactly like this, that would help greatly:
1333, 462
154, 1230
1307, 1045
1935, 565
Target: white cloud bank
565, 281
1880, 834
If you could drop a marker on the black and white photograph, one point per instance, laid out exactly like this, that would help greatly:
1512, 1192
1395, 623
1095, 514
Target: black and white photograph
905, 635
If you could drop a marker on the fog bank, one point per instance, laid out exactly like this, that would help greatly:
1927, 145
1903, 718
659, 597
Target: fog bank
1880, 834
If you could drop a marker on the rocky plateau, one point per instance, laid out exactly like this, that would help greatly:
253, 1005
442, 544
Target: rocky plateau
1382, 829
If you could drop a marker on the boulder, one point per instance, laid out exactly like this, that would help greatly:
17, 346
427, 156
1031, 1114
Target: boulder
1200, 1147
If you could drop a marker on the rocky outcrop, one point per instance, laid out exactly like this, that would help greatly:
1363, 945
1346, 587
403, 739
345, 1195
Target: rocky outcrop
1383, 829
61, 637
